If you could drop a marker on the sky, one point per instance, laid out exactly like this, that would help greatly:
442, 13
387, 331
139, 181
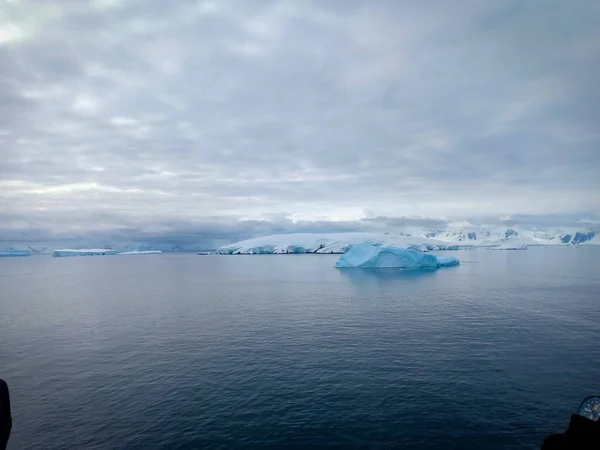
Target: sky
228, 119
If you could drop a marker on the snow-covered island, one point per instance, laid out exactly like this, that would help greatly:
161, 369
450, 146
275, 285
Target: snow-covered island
369, 256
83, 252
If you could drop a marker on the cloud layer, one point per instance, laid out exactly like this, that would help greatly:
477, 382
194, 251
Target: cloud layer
148, 114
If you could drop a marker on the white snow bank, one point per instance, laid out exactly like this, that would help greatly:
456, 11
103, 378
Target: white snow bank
83, 252
368, 256
327, 243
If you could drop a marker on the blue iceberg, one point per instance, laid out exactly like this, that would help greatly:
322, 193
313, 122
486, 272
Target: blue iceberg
369, 256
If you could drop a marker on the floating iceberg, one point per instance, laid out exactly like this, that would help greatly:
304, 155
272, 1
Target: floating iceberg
83, 252
11, 253
141, 252
369, 256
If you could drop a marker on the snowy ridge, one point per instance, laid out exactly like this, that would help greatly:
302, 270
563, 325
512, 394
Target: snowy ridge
495, 236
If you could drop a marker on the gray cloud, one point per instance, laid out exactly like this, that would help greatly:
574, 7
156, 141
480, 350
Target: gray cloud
146, 115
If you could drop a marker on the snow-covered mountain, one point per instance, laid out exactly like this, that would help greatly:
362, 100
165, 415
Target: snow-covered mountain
429, 239
487, 236
580, 237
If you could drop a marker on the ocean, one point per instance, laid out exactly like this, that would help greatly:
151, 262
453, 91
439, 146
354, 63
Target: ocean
181, 351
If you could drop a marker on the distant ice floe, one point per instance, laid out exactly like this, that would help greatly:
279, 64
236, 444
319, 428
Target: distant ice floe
13, 253
511, 246
515, 244
100, 252
142, 252
83, 252
369, 256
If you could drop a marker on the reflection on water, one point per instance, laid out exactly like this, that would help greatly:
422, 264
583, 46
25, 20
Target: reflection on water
370, 277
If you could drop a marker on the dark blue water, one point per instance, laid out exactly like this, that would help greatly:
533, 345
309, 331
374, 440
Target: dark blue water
186, 351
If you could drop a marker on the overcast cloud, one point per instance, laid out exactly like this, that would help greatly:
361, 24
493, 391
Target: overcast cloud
146, 116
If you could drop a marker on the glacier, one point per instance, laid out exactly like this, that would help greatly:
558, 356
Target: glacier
327, 243
83, 252
369, 256
414, 237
